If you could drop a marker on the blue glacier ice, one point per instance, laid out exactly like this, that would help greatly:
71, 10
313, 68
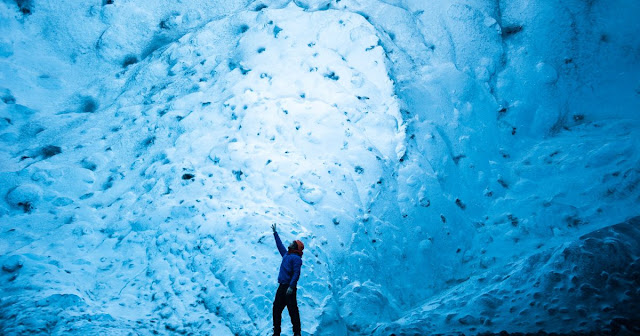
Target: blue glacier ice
453, 166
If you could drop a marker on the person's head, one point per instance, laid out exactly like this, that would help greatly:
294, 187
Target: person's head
296, 245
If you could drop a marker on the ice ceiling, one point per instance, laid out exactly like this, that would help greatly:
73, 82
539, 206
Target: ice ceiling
452, 166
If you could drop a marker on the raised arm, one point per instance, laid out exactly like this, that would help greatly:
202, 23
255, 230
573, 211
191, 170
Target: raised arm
279, 244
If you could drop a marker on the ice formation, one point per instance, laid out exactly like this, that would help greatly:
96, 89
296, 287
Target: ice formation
455, 166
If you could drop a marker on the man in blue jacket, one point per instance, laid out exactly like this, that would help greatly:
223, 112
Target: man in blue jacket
287, 278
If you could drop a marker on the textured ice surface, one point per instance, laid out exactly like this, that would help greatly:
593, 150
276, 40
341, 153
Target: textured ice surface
579, 285
452, 166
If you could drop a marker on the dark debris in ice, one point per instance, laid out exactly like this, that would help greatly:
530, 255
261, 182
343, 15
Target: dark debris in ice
509, 31
25, 6
129, 60
238, 174
88, 104
260, 7
49, 151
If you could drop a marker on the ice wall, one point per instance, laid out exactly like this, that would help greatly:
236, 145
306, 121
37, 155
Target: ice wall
426, 152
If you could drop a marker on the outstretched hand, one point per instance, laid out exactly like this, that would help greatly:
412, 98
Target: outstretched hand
273, 227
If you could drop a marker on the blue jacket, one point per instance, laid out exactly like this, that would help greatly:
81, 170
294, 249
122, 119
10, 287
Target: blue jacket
290, 266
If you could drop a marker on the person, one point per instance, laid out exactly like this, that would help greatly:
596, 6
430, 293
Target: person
287, 280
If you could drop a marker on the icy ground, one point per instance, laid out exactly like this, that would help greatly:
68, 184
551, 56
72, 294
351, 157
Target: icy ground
456, 166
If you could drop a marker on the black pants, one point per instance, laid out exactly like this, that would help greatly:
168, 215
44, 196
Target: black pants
283, 300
